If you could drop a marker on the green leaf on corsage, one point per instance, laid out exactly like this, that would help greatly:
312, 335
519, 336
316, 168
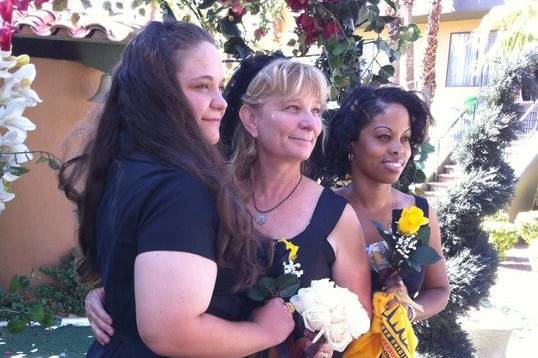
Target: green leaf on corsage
425, 255
287, 285
423, 235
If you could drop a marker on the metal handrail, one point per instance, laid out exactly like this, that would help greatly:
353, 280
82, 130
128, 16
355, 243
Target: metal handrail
447, 142
529, 122
517, 154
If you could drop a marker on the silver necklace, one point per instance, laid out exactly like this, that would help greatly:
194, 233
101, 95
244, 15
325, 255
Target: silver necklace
261, 217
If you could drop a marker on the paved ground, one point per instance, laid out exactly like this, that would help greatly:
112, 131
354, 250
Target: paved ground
507, 325
35, 342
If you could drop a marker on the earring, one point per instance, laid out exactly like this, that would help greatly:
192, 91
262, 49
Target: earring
350, 156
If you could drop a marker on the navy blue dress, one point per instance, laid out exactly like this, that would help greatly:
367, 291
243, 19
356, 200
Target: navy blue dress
149, 206
315, 254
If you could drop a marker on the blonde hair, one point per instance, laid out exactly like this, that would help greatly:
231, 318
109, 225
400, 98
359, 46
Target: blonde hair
282, 78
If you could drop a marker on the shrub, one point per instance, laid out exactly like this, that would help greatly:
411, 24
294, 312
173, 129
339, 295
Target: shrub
502, 234
65, 294
24, 303
527, 225
20, 307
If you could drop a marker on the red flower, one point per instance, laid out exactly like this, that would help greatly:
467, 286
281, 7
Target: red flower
308, 25
330, 29
22, 5
297, 5
259, 33
238, 9
5, 37
6, 10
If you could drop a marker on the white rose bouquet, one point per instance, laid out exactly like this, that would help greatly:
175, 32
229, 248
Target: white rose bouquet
333, 311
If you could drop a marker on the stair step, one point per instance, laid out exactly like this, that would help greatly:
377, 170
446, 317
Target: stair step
446, 178
432, 196
439, 186
451, 168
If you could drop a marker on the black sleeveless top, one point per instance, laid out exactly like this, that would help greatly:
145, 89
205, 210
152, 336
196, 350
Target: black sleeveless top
412, 279
315, 254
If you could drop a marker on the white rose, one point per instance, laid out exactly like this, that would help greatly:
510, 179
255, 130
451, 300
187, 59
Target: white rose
339, 314
316, 318
304, 299
324, 292
338, 336
358, 322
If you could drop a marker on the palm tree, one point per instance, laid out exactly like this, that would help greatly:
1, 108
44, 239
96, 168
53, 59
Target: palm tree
410, 54
428, 64
517, 26
394, 26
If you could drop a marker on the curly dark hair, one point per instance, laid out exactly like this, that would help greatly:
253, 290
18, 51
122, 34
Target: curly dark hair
356, 112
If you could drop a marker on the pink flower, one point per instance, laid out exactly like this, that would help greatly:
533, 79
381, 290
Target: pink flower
238, 9
6, 34
21, 5
6, 10
298, 5
259, 33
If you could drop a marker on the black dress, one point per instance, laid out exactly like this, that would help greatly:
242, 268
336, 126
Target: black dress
149, 206
315, 254
412, 279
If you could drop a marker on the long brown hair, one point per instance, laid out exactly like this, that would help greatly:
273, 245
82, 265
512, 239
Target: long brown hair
146, 103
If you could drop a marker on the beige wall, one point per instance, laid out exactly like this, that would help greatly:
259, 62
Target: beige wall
448, 101
37, 226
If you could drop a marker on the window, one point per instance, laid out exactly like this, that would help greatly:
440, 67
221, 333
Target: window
462, 57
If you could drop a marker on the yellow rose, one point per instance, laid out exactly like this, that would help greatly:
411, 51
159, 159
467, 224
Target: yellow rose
293, 249
411, 220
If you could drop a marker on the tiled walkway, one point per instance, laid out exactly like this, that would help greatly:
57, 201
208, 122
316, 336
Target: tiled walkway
507, 325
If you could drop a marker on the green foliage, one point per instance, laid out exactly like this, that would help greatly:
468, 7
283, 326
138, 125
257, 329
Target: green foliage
66, 294
24, 304
527, 225
20, 307
283, 286
414, 173
330, 26
342, 29
502, 233
486, 187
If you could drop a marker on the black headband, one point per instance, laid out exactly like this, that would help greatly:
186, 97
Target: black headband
234, 91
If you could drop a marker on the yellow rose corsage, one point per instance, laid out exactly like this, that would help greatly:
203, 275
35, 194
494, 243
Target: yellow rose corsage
411, 220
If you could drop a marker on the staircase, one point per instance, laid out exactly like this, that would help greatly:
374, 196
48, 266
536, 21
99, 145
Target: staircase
441, 170
446, 171
441, 181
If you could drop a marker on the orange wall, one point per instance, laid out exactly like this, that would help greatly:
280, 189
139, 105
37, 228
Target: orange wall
37, 226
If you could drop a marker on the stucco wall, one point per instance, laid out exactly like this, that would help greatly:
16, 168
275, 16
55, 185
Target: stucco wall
37, 226
448, 101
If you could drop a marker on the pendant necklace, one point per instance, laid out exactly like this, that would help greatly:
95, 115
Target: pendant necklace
261, 217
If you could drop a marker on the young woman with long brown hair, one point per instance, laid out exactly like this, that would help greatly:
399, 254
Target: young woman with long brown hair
160, 221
